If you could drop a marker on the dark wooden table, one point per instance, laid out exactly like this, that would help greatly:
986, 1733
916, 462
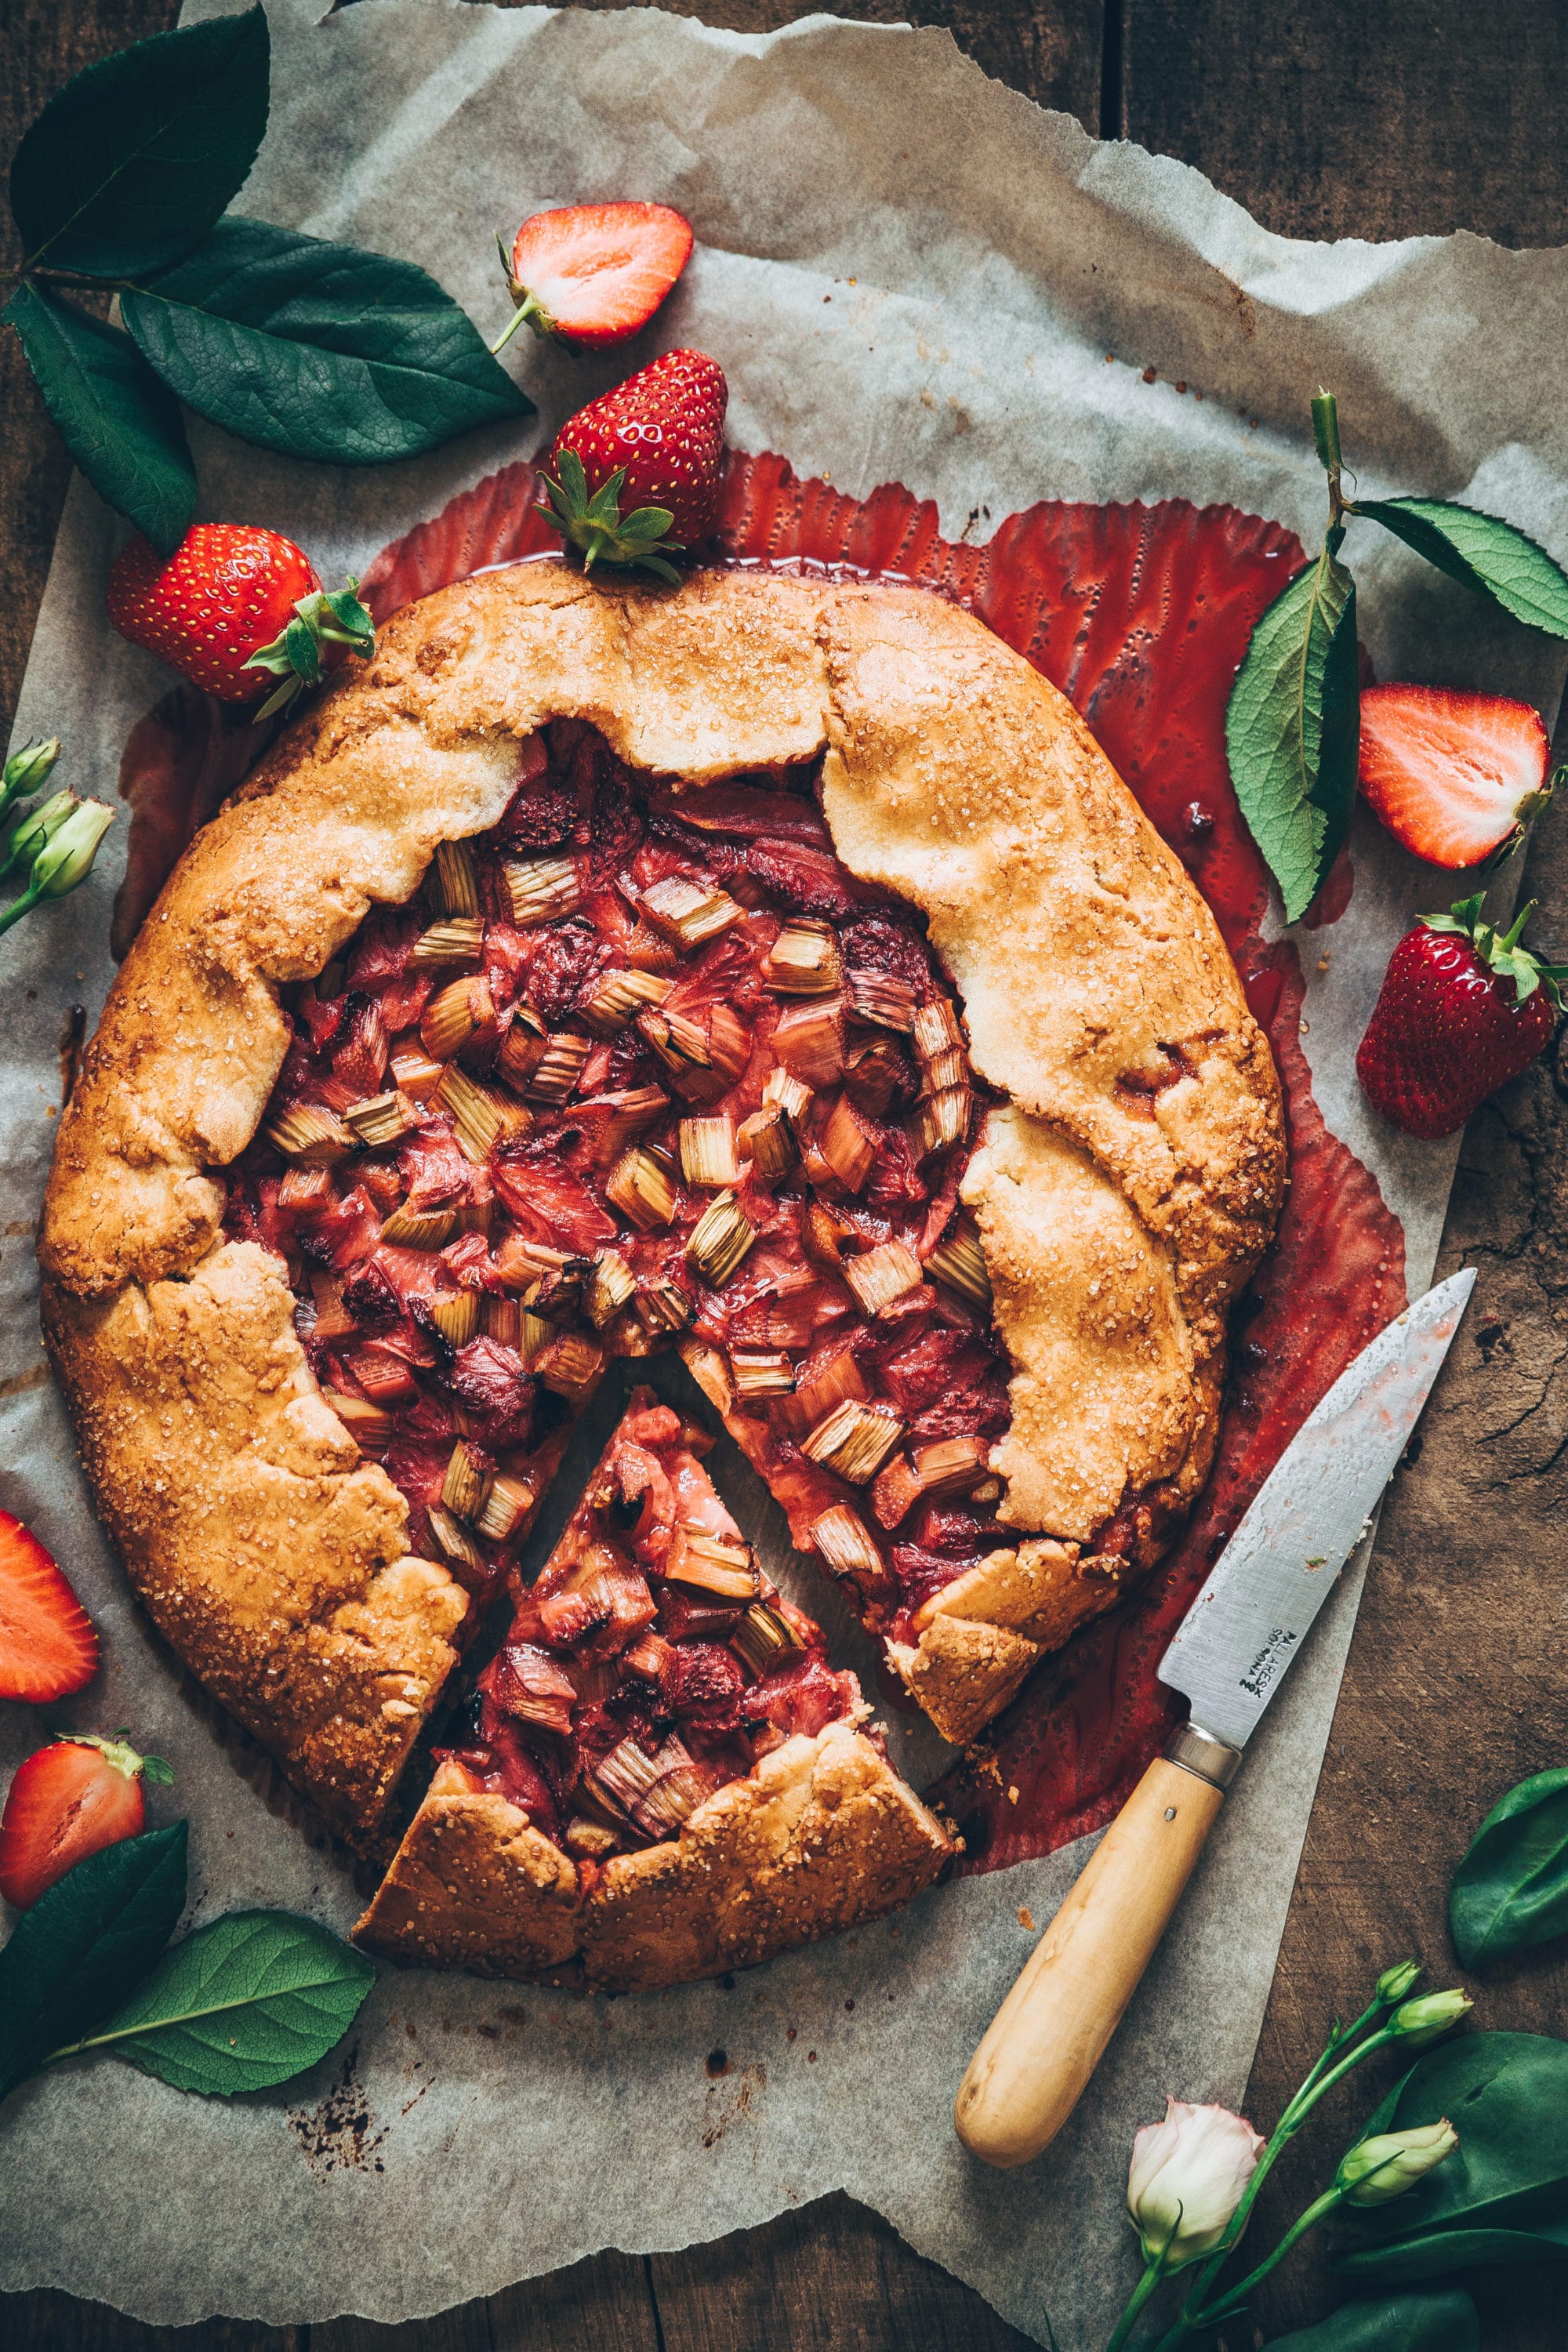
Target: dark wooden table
1365, 118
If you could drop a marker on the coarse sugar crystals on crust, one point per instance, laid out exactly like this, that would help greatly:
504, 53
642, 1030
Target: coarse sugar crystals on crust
1122, 1182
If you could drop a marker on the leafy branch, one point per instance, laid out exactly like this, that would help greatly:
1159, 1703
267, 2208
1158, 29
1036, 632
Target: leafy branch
1293, 724
316, 349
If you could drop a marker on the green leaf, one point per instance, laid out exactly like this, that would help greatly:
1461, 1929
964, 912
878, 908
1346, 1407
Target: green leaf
248, 2002
1293, 729
119, 423
318, 349
1488, 555
87, 1940
1445, 2322
1512, 1889
1503, 2196
128, 166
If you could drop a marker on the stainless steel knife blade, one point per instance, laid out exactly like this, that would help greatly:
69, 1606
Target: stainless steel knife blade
1247, 1623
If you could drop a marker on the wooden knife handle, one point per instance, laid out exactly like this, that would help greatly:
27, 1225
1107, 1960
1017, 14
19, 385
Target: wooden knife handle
1050, 2032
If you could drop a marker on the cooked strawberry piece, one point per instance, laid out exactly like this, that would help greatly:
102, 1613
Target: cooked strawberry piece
748, 811
931, 1366
370, 1296
807, 881
874, 942
417, 1467
360, 1051
514, 1770
402, 1001
803, 1696
895, 1185
566, 1617
1453, 776
489, 1379
435, 1172
508, 953
565, 961
47, 1647
980, 1410
344, 1233
550, 1204
65, 1801
956, 1533
382, 945
921, 1573
705, 1677
540, 816
322, 1021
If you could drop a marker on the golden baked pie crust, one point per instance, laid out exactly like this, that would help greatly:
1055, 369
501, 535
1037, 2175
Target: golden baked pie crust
1119, 1224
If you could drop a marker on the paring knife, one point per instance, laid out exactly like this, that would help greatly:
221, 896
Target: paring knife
1228, 1655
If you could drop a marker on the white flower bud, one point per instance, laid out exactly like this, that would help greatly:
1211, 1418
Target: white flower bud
1377, 2170
1417, 2023
1187, 2180
64, 858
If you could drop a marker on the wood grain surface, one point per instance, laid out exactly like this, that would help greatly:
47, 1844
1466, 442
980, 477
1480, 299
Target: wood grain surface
1357, 118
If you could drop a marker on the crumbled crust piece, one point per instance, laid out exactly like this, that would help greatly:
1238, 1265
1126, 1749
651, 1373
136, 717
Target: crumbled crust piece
980, 1635
821, 1836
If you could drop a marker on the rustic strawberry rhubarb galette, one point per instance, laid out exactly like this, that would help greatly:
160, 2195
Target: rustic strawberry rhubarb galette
769, 968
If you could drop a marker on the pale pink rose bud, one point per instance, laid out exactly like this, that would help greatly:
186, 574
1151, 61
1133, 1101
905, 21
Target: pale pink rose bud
1187, 2180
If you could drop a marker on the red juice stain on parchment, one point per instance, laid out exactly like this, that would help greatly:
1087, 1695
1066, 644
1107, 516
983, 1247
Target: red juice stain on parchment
1141, 615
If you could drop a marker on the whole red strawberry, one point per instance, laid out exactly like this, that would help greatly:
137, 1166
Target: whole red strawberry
637, 473
1462, 1010
236, 609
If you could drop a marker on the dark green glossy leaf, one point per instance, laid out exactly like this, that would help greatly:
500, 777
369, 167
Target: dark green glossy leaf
121, 424
129, 167
1488, 555
1293, 729
248, 2002
1444, 2321
87, 1940
1503, 2195
1512, 1889
318, 349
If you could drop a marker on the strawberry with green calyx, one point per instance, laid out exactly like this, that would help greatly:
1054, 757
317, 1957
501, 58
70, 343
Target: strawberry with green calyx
67, 1800
593, 274
301, 652
654, 448
234, 606
1463, 1009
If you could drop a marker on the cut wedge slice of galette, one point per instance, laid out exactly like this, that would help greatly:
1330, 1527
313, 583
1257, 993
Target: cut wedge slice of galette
661, 1776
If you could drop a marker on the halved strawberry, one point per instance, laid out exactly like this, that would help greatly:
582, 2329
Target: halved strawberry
71, 1800
47, 1647
594, 273
1453, 776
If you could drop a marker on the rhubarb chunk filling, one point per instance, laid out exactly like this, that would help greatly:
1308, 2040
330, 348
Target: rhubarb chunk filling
650, 1663
645, 1065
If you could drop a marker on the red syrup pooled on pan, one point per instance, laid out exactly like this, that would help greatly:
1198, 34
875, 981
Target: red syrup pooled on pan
1141, 615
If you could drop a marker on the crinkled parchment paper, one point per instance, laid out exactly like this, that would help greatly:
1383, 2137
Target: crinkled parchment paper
909, 273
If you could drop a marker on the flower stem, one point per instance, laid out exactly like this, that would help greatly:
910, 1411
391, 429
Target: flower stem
1316, 2083
18, 908
1155, 2270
